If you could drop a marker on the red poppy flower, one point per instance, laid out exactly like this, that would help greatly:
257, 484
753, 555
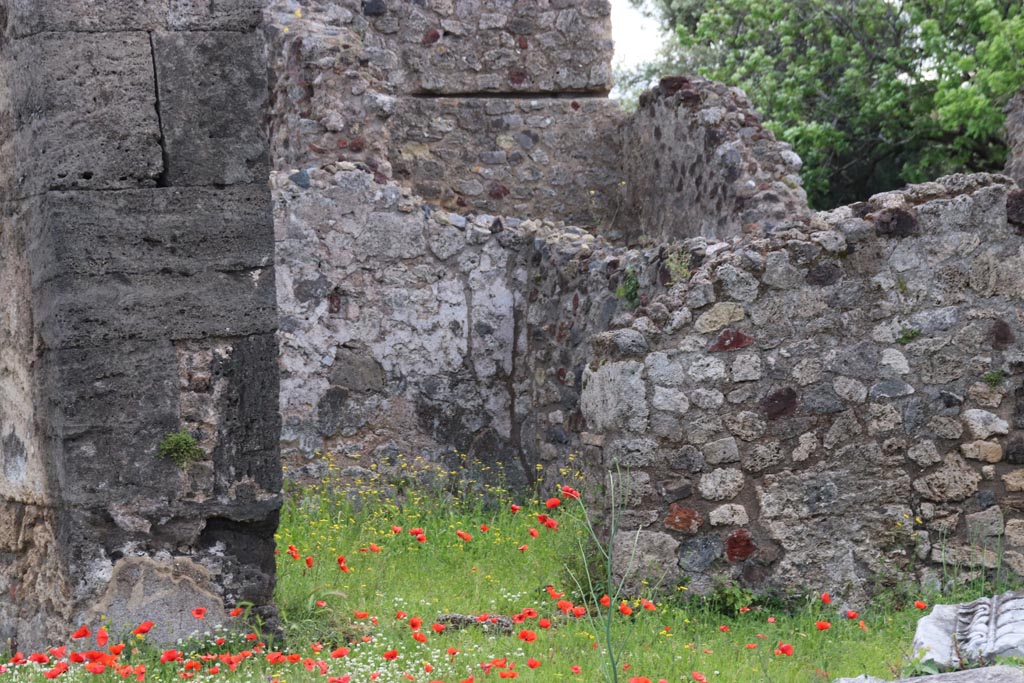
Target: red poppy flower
625, 609
515, 508
82, 632
527, 636
390, 655
823, 625
850, 614
570, 492
463, 535
144, 628
309, 561
920, 604
199, 612
532, 663
605, 601
552, 503
826, 599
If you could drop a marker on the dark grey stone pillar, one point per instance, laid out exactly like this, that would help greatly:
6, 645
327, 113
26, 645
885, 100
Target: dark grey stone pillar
136, 265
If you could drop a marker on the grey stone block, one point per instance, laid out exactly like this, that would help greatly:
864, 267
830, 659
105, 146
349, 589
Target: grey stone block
108, 409
221, 15
80, 311
249, 414
181, 230
28, 17
152, 264
211, 104
84, 110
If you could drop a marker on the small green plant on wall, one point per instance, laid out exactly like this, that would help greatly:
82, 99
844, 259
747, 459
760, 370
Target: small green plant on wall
907, 335
629, 289
994, 378
678, 265
181, 449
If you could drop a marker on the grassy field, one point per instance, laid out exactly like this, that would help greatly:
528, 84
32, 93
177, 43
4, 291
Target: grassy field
395, 585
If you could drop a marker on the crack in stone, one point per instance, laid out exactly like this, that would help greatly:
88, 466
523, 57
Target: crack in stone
161, 180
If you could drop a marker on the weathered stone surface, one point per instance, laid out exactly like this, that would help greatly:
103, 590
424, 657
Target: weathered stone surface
1015, 139
954, 481
142, 589
986, 524
925, 454
721, 484
986, 451
730, 514
670, 400
613, 397
95, 127
719, 316
105, 287
638, 555
211, 107
721, 451
28, 17
700, 164
983, 424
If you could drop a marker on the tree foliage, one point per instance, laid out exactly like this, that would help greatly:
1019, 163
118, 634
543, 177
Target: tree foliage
871, 93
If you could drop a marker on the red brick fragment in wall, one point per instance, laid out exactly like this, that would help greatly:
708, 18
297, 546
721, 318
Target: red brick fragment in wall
686, 520
739, 546
730, 339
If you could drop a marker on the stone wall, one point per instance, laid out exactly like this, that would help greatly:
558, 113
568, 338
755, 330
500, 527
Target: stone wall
397, 323
139, 299
698, 163
1015, 138
841, 402
496, 107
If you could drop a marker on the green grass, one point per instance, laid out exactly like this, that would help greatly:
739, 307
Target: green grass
392, 577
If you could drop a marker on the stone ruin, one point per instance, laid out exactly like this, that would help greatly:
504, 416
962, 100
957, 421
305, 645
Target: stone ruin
474, 251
